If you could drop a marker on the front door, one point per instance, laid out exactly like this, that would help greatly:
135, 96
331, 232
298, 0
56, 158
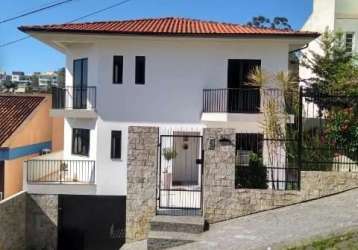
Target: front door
2, 179
185, 167
241, 97
80, 75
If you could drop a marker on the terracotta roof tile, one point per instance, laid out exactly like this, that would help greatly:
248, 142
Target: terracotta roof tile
166, 26
13, 112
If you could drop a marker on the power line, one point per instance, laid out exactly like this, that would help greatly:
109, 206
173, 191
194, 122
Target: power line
34, 11
32, 8
99, 11
14, 41
74, 20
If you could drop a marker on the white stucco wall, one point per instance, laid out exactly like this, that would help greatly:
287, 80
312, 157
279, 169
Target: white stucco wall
176, 74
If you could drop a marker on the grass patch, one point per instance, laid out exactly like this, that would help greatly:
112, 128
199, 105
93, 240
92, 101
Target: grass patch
345, 241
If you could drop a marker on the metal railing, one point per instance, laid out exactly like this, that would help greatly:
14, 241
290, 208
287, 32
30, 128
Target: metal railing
241, 100
74, 98
60, 171
328, 123
263, 163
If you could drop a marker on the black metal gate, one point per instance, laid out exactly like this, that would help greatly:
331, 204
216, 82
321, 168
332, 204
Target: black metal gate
179, 190
91, 222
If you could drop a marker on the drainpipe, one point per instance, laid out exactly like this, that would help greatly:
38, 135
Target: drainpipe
296, 50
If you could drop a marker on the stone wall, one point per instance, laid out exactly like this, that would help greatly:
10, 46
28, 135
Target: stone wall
141, 181
41, 221
12, 222
28, 222
222, 201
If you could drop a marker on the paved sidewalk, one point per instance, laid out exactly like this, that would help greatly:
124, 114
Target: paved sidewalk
281, 226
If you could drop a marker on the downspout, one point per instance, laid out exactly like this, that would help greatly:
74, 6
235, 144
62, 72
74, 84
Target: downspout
296, 50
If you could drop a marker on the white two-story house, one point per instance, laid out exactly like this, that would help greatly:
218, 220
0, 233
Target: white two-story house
180, 75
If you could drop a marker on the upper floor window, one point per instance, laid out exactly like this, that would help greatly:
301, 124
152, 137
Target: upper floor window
116, 145
118, 69
80, 141
349, 42
140, 69
239, 71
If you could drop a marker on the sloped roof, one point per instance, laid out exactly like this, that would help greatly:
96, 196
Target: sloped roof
167, 26
14, 110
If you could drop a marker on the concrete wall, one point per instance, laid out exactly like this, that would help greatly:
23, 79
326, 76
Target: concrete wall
28, 222
57, 133
14, 175
41, 221
142, 169
13, 223
222, 201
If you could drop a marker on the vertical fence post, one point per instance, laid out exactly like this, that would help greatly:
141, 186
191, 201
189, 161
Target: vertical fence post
300, 136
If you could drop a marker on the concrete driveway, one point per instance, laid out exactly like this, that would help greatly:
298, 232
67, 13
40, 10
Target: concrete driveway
273, 229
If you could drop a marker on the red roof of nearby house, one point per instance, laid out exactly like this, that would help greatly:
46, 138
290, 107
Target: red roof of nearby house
167, 26
13, 112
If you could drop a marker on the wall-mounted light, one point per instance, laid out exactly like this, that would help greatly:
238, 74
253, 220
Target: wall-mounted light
224, 141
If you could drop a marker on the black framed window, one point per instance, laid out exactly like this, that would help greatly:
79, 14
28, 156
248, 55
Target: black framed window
239, 71
140, 69
118, 69
247, 144
250, 142
349, 42
80, 141
116, 145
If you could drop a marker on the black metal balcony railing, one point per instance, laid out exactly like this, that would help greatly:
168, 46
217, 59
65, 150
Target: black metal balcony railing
74, 98
242, 100
61, 171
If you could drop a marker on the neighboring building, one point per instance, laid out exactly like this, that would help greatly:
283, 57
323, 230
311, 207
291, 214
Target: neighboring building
334, 15
22, 81
48, 80
26, 129
16, 76
178, 75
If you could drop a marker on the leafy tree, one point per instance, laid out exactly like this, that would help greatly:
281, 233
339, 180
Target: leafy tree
9, 85
334, 71
333, 87
264, 22
259, 22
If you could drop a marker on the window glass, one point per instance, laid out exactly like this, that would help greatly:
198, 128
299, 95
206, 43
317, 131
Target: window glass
80, 141
116, 145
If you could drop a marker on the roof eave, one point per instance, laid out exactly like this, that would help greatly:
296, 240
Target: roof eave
204, 35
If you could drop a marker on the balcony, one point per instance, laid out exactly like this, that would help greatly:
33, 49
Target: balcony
48, 169
74, 102
52, 173
238, 105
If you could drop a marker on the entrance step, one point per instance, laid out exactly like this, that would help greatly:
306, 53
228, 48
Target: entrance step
186, 224
171, 231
